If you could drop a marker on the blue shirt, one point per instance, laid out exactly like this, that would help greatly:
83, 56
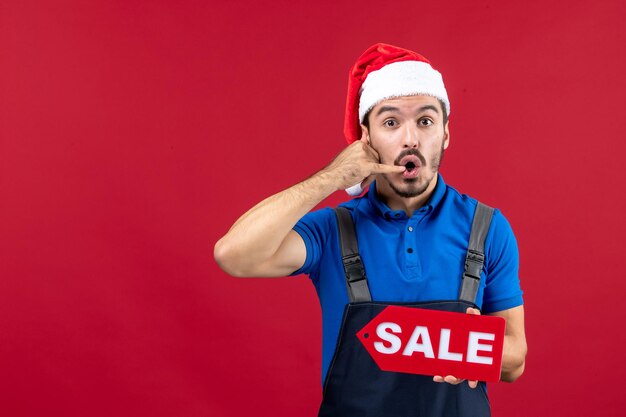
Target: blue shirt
417, 258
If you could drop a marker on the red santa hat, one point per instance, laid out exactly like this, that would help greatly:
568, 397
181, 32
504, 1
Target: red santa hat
383, 72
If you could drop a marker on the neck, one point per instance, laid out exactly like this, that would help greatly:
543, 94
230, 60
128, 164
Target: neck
407, 204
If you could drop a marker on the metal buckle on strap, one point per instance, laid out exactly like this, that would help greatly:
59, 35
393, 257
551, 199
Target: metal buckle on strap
353, 267
474, 262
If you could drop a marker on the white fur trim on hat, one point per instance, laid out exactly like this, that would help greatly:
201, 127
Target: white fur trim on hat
404, 78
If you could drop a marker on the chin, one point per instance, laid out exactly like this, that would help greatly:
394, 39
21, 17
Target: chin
410, 188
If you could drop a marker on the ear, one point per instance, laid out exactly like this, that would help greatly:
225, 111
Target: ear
446, 135
365, 134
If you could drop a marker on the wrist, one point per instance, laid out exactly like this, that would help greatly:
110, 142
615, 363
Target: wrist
326, 180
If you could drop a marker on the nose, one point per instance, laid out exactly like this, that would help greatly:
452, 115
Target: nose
410, 137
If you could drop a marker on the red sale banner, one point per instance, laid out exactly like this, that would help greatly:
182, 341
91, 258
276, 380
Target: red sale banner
432, 342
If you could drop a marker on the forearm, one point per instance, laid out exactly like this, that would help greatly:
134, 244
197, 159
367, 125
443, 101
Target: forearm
259, 243
257, 235
514, 358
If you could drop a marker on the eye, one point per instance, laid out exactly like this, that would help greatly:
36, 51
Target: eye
425, 122
390, 123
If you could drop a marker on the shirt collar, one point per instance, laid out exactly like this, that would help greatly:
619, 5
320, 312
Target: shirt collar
384, 210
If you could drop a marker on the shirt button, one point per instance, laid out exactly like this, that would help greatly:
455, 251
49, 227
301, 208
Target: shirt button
410, 250
410, 228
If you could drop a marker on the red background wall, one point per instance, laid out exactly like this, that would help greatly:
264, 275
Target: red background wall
132, 134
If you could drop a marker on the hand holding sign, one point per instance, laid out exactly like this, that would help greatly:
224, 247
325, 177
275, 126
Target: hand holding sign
450, 379
432, 342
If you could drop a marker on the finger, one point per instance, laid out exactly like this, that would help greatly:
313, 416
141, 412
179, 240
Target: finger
384, 169
373, 152
453, 380
364, 146
438, 378
473, 311
472, 384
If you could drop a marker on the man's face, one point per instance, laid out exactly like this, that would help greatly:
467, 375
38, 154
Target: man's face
408, 131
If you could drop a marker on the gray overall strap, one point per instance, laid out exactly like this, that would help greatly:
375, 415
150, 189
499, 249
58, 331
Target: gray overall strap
356, 280
475, 258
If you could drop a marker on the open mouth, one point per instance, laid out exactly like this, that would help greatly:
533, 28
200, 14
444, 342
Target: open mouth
412, 163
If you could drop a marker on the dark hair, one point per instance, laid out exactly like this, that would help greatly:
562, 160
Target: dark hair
366, 118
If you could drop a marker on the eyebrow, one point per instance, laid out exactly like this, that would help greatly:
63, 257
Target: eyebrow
429, 107
395, 109
386, 108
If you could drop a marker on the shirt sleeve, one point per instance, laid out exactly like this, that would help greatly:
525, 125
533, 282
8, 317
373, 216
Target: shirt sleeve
314, 228
502, 290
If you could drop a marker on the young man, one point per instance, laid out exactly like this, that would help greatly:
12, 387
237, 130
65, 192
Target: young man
412, 232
